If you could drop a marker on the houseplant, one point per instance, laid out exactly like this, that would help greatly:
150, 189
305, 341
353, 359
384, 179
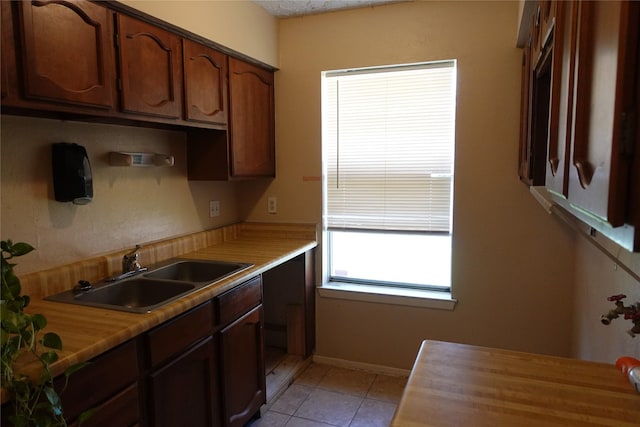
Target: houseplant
34, 402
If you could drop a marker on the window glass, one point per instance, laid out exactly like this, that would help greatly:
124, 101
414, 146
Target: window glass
388, 144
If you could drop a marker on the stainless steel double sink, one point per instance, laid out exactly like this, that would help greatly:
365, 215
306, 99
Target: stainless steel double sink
154, 288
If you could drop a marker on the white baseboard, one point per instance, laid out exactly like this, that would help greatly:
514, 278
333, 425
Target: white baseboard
361, 366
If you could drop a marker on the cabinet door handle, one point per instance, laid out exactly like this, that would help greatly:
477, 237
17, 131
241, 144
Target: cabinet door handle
585, 172
554, 162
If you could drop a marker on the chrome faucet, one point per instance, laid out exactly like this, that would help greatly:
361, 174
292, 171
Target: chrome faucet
130, 263
130, 266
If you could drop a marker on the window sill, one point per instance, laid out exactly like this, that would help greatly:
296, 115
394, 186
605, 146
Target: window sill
388, 295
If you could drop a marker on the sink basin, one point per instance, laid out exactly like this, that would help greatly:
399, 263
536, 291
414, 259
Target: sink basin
197, 271
134, 295
159, 286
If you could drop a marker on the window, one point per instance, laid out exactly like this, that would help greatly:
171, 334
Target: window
388, 146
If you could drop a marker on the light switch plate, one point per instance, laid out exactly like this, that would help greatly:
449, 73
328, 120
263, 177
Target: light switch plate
272, 205
214, 208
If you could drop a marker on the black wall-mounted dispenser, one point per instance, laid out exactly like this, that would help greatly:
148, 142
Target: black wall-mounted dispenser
72, 181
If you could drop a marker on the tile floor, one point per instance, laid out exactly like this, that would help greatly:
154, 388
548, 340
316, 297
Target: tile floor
329, 396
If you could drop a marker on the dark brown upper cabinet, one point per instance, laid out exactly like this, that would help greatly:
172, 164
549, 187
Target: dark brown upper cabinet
67, 52
251, 122
150, 69
103, 61
561, 114
8, 79
534, 108
247, 149
205, 83
583, 99
605, 101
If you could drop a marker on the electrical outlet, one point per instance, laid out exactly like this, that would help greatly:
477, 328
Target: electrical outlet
214, 208
272, 205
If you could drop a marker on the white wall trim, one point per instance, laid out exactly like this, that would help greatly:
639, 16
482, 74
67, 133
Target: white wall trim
361, 366
388, 295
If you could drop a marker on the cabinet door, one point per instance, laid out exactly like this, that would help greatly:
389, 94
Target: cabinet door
243, 377
121, 410
68, 53
561, 107
525, 116
8, 82
252, 129
114, 371
205, 83
150, 69
604, 100
185, 391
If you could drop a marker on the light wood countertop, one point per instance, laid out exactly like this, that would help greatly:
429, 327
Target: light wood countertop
86, 332
463, 385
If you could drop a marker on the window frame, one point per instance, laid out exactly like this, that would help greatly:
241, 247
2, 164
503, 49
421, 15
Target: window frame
363, 289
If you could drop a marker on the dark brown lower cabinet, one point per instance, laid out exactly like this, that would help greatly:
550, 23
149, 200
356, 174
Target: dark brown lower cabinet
203, 368
108, 385
243, 379
121, 410
184, 392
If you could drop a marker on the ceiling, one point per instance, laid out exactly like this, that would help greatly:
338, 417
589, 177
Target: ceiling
289, 8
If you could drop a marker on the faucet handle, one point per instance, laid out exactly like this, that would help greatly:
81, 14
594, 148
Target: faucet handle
130, 261
616, 297
133, 251
633, 315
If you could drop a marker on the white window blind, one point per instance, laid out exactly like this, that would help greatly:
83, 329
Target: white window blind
389, 140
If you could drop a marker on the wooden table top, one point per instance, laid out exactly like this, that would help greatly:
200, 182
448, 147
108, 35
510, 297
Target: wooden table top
464, 385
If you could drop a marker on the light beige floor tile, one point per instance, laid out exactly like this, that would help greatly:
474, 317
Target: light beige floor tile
347, 381
312, 375
291, 399
270, 419
387, 388
301, 422
329, 407
374, 413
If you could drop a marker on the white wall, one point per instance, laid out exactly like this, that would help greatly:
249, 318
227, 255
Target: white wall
512, 263
596, 278
131, 205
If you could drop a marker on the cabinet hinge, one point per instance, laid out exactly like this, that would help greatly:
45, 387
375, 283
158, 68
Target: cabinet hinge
627, 133
116, 40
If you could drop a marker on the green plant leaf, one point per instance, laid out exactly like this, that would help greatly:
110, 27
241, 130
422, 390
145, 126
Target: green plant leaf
12, 283
45, 376
54, 400
84, 416
20, 249
26, 335
39, 321
75, 368
11, 321
5, 245
52, 340
48, 357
